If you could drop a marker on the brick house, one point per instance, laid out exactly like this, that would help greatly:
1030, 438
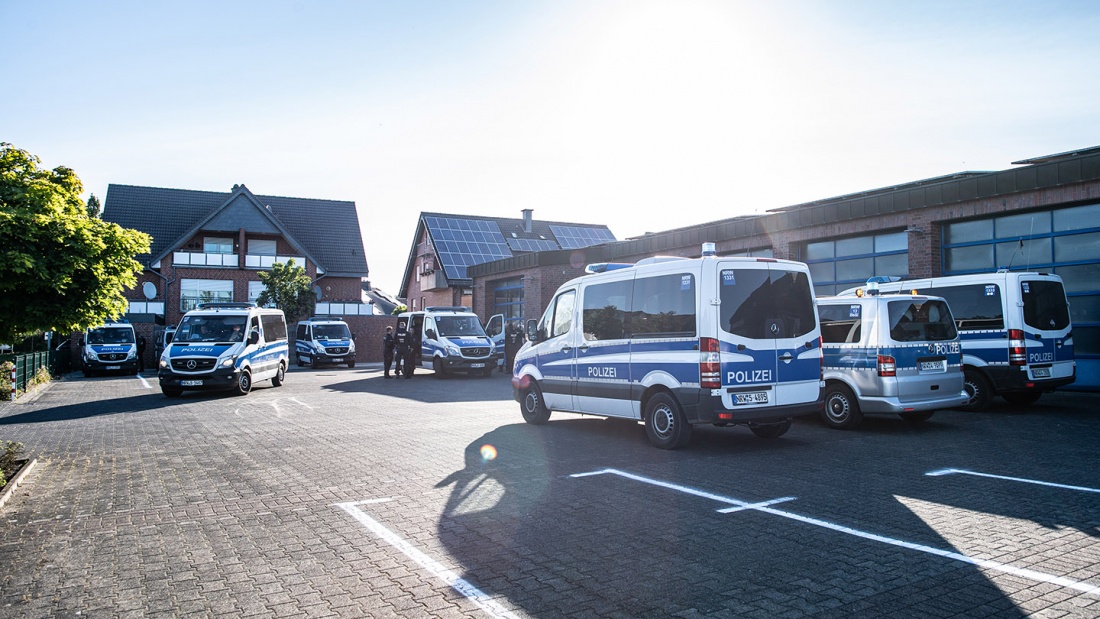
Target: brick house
1042, 215
212, 246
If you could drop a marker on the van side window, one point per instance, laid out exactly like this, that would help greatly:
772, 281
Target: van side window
274, 327
605, 309
975, 306
841, 324
662, 306
563, 313
761, 304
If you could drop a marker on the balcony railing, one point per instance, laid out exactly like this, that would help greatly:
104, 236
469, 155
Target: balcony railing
255, 261
326, 308
433, 280
187, 258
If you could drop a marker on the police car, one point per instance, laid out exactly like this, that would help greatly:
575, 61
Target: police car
675, 342
225, 346
111, 347
448, 339
324, 340
889, 354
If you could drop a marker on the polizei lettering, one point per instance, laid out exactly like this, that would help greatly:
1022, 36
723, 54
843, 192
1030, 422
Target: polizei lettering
749, 376
602, 372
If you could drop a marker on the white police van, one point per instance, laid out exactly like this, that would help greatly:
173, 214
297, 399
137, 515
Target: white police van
322, 340
448, 339
226, 346
1017, 338
889, 354
675, 342
111, 347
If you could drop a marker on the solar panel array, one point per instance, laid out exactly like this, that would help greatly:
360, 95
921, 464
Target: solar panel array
465, 242
572, 237
532, 244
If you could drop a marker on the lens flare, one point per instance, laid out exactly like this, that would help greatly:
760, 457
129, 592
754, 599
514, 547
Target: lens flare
488, 452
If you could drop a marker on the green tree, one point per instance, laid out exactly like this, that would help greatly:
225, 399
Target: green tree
62, 270
286, 287
93, 206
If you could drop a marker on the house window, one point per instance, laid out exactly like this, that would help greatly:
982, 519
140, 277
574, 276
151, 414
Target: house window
195, 291
217, 245
261, 248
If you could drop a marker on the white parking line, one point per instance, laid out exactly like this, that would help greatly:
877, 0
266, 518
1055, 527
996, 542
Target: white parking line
144, 382
1019, 479
462, 586
1084, 587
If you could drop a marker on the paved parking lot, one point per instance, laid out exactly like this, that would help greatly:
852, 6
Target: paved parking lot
342, 494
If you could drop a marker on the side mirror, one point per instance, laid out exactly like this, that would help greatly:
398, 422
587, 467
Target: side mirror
353, 336
81, 341
254, 338
532, 330
430, 334
168, 338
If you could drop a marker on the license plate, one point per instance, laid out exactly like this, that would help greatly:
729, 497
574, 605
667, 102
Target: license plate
477, 365
113, 367
756, 397
190, 383
1040, 372
933, 366
337, 360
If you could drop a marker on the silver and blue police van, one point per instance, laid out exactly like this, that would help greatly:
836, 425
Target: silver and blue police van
677, 342
889, 354
324, 340
111, 347
225, 346
1015, 328
449, 340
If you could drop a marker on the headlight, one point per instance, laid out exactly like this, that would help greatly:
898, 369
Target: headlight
164, 363
453, 350
228, 362
90, 354
132, 354
319, 348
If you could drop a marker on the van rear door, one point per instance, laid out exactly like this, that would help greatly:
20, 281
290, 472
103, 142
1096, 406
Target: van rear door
769, 344
1049, 343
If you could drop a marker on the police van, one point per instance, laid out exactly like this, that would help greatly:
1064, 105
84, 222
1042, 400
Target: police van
676, 342
322, 340
225, 346
1017, 339
448, 339
111, 347
889, 354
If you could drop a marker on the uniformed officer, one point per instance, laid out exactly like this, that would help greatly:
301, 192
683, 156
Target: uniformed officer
401, 341
388, 346
513, 341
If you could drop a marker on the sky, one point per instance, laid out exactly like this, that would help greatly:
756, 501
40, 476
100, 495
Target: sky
640, 115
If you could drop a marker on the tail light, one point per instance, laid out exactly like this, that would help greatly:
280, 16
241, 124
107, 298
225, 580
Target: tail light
887, 366
1017, 348
710, 366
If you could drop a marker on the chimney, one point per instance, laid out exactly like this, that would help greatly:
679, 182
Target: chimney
527, 220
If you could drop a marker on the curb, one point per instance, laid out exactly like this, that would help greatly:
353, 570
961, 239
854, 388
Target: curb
13, 483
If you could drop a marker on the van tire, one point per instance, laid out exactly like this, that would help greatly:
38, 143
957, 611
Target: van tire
979, 389
533, 406
665, 424
280, 376
1022, 398
244, 383
437, 367
298, 361
841, 410
771, 430
351, 363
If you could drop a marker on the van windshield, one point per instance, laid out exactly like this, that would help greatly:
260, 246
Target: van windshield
211, 329
111, 335
455, 326
921, 321
331, 332
1044, 304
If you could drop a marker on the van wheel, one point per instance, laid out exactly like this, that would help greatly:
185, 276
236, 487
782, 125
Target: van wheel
1022, 398
298, 361
665, 425
171, 392
533, 407
916, 416
841, 408
437, 367
771, 430
978, 388
280, 376
244, 383
351, 363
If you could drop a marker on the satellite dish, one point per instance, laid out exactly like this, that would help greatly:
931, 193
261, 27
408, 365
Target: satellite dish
150, 290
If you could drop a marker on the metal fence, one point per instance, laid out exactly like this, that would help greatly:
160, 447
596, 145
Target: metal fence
22, 371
